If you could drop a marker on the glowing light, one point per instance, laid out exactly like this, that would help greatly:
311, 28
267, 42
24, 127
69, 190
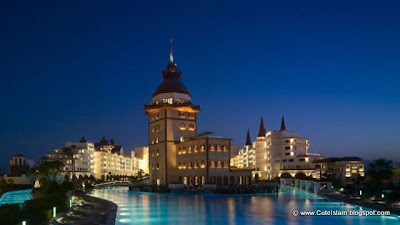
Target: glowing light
54, 212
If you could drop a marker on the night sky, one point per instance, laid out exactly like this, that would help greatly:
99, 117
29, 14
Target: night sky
73, 68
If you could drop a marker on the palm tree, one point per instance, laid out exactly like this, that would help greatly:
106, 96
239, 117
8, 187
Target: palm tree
68, 152
380, 171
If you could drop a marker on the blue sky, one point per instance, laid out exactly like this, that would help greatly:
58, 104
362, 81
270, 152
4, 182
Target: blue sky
73, 68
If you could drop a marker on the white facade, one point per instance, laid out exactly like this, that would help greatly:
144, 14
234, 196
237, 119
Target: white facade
281, 152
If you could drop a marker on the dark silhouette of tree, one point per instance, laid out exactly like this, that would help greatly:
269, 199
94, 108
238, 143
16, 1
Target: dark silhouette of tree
47, 170
379, 172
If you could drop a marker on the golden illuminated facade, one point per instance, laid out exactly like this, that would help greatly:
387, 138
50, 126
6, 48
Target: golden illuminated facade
178, 154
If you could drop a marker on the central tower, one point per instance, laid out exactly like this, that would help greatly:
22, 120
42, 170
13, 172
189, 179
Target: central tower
172, 119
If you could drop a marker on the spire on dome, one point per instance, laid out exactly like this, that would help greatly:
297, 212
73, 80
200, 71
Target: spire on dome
261, 132
283, 126
171, 53
248, 140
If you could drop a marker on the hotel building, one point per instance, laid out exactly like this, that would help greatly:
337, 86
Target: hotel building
346, 169
97, 160
178, 153
278, 153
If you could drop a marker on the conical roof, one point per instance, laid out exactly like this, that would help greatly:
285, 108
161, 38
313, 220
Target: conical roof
261, 132
283, 126
248, 140
171, 81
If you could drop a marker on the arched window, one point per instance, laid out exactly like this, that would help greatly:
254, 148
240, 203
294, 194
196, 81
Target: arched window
212, 164
157, 140
152, 129
190, 180
152, 141
203, 164
226, 148
219, 148
219, 164
179, 150
189, 165
226, 164
212, 147
158, 166
185, 180
183, 165
191, 126
202, 180
189, 149
182, 139
196, 148
184, 150
202, 148
157, 152
182, 126
240, 180
212, 180
196, 181
179, 165
196, 165
152, 167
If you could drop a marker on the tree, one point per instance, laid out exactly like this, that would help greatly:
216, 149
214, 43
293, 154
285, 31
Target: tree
47, 170
379, 171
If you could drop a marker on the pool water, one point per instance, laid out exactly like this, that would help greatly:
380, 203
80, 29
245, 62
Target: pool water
16, 197
209, 209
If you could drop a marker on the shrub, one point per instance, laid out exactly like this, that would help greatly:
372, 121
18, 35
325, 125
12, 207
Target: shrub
9, 214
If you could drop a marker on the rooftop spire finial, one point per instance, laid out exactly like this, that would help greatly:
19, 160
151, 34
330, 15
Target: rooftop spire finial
248, 140
283, 125
261, 132
171, 53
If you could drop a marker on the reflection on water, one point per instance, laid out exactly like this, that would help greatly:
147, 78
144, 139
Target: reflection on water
188, 209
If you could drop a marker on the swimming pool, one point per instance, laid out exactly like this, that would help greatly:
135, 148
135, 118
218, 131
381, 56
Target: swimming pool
189, 209
16, 197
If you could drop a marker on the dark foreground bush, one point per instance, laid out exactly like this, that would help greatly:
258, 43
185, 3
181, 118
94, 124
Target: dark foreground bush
9, 214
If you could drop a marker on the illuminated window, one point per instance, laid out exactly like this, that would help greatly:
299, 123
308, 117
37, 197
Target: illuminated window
182, 139
184, 150
189, 149
226, 164
157, 152
157, 166
185, 180
225, 148
182, 114
212, 164
196, 148
219, 148
157, 127
180, 101
189, 165
182, 126
219, 164
348, 174
167, 100
190, 115
212, 147
191, 127
202, 148
203, 164
183, 165
157, 140
196, 165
